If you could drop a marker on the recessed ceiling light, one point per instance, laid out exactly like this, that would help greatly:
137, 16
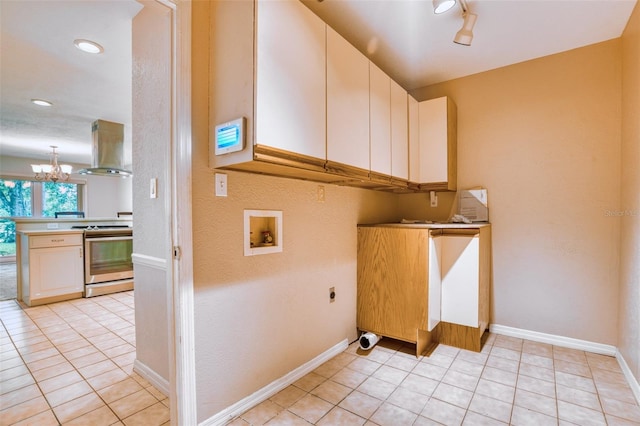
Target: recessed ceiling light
88, 46
41, 102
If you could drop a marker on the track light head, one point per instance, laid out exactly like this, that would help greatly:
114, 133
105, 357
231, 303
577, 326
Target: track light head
441, 6
465, 35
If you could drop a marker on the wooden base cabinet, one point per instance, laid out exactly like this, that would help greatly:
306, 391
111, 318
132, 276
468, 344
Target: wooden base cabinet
423, 285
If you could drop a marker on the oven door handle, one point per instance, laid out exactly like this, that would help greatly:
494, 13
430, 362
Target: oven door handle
121, 238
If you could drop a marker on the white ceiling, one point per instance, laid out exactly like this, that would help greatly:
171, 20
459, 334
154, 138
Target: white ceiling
39, 60
415, 46
403, 37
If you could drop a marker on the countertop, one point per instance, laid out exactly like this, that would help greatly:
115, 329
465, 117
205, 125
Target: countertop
50, 231
422, 225
51, 224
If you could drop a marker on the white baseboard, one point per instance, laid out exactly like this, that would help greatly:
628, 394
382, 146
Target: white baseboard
229, 413
152, 377
633, 382
566, 342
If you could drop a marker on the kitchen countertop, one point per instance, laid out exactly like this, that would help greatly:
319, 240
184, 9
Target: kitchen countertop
434, 225
50, 231
61, 224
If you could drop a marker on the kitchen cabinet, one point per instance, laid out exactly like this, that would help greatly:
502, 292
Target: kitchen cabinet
399, 132
463, 257
392, 283
280, 90
380, 120
51, 266
425, 284
290, 78
389, 143
314, 107
413, 107
347, 107
437, 145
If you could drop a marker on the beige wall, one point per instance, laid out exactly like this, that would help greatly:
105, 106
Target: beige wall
257, 318
151, 227
544, 137
629, 316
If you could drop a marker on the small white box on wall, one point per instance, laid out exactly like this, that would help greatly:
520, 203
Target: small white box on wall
473, 205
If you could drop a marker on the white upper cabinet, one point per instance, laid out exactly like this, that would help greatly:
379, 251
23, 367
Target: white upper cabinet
380, 120
414, 140
347, 103
399, 132
290, 78
438, 134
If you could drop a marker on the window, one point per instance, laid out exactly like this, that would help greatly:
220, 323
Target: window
27, 198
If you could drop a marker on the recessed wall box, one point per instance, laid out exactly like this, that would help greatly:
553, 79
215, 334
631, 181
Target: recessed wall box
263, 232
230, 136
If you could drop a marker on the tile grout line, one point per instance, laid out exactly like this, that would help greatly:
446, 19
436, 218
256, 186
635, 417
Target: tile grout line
94, 391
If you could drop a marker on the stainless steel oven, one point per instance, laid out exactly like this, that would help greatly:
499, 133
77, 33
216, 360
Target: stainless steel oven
107, 259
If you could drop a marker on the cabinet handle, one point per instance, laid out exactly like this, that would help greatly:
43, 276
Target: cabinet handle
80, 250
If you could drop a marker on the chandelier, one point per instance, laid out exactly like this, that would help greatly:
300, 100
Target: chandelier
52, 171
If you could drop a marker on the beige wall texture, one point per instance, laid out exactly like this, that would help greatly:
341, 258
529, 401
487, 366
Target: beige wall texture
257, 318
543, 137
629, 311
151, 227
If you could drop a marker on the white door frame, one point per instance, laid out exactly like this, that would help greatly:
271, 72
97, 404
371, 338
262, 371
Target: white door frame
182, 380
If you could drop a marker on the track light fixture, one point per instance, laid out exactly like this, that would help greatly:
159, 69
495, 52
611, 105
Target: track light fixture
465, 35
441, 6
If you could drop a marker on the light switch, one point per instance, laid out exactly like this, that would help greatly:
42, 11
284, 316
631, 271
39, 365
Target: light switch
153, 188
221, 185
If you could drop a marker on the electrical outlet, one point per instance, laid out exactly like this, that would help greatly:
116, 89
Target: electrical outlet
433, 197
221, 185
321, 193
332, 294
153, 188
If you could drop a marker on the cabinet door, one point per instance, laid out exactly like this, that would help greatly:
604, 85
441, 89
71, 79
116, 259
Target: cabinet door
437, 135
290, 78
399, 132
414, 139
55, 271
460, 270
392, 292
347, 103
380, 120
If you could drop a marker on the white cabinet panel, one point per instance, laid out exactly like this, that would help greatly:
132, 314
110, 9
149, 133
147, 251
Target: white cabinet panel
460, 271
347, 103
290, 78
414, 139
380, 120
55, 271
435, 282
438, 135
399, 132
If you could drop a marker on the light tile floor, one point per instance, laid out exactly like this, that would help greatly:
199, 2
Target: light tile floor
512, 381
71, 363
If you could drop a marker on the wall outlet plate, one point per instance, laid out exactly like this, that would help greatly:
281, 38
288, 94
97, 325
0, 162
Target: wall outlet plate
153, 188
221, 185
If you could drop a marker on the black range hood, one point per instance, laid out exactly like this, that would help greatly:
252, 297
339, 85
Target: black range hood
107, 150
